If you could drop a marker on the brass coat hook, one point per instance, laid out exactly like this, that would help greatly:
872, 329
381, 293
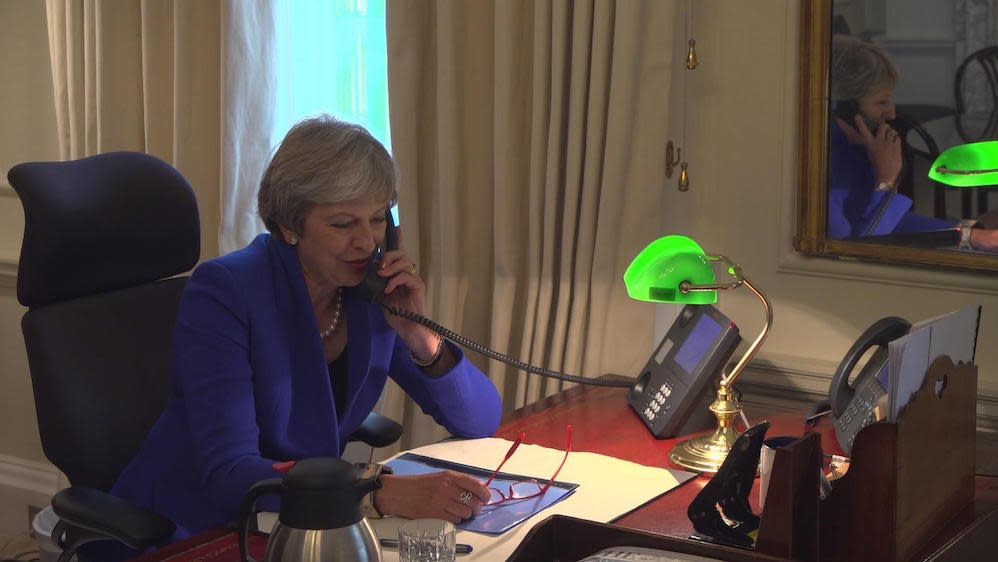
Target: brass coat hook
670, 163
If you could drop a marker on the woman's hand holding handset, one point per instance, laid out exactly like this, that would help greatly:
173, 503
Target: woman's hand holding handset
882, 147
407, 291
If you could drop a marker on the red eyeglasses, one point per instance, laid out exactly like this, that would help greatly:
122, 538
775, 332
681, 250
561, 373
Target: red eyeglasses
525, 489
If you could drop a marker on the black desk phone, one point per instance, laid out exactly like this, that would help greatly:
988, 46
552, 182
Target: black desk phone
853, 405
671, 393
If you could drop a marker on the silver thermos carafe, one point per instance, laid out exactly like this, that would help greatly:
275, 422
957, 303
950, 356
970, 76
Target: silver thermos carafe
321, 518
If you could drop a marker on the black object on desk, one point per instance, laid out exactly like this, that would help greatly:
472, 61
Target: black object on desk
729, 489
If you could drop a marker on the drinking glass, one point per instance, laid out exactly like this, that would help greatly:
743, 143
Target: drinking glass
427, 540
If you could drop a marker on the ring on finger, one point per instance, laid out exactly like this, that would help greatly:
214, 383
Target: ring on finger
412, 268
465, 497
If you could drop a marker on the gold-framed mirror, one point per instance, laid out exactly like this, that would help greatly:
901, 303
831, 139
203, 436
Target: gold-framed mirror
815, 119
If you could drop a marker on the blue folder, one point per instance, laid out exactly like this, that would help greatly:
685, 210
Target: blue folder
495, 519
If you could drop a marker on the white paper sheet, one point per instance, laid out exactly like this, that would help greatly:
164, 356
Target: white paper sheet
908, 359
953, 334
608, 488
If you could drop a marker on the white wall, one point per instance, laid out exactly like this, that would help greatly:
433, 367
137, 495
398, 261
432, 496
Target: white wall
27, 122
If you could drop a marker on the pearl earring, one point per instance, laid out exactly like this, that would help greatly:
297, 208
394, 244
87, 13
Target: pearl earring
294, 239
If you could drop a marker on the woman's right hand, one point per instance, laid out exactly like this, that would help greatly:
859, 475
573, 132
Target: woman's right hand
883, 148
436, 496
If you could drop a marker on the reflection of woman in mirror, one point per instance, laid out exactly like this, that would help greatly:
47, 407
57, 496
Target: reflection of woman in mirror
865, 152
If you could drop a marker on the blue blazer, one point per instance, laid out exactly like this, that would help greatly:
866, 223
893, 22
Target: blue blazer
854, 207
250, 387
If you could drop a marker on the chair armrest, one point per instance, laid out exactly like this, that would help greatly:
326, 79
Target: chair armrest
377, 431
88, 514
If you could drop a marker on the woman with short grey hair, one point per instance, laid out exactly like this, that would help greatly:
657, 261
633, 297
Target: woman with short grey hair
865, 157
859, 68
323, 161
865, 154
279, 355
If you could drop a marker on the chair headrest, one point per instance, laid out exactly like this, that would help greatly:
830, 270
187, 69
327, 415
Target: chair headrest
102, 223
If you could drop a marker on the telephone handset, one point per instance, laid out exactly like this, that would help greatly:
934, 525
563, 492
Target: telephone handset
847, 110
852, 405
372, 287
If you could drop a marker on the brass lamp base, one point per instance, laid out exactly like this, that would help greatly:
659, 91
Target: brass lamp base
706, 453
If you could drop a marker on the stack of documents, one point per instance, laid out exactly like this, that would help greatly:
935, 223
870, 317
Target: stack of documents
909, 357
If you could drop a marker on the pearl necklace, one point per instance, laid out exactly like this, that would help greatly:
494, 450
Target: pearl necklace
336, 315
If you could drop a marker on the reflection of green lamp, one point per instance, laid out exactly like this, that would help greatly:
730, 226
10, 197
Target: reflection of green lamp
675, 269
967, 165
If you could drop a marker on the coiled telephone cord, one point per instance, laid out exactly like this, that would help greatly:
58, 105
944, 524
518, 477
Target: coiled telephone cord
481, 349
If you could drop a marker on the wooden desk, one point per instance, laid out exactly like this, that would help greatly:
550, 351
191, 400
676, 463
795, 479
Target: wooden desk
603, 422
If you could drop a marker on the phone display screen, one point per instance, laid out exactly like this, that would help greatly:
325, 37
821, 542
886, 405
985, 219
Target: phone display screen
698, 343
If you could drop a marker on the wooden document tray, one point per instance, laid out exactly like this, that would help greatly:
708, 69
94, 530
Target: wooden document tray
905, 482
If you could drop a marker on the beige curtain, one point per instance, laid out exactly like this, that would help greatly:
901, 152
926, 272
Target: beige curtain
530, 138
179, 79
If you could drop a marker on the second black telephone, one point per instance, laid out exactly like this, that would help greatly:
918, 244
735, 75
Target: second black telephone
853, 405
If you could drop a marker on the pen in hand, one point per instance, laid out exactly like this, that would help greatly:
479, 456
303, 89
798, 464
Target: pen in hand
392, 543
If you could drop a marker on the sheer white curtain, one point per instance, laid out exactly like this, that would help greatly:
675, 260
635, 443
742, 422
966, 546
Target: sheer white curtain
184, 80
530, 138
248, 96
319, 57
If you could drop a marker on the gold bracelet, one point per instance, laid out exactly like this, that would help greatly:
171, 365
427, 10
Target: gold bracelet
434, 359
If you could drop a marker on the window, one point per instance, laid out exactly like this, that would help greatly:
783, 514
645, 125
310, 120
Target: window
331, 58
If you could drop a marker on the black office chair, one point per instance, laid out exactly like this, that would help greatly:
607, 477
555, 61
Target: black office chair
101, 235
104, 240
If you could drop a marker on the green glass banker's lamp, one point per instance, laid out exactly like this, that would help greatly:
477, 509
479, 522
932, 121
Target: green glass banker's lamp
967, 165
675, 269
